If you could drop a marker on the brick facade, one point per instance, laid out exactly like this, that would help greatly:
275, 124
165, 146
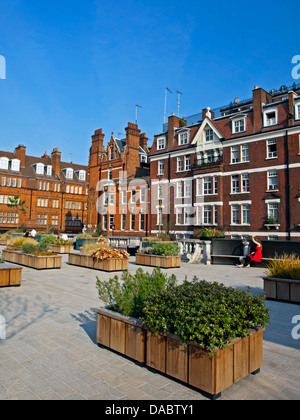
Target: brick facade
55, 192
118, 199
238, 171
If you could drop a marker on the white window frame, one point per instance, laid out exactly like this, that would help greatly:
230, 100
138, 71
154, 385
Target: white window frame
245, 210
270, 143
15, 165
69, 173
235, 208
142, 218
161, 167
235, 184
180, 167
270, 123
49, 170
235, 154
271, 175
4, 162
209, 134
40, 168
244, 153
238, 128
123, 221
187, 163
183, 138
245, 186
161, 143
297, 111
273, 211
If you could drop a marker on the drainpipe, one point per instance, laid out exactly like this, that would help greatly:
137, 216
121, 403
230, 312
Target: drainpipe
287, 186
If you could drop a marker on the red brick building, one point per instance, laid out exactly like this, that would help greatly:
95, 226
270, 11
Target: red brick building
54, 192
238, 169
118, 199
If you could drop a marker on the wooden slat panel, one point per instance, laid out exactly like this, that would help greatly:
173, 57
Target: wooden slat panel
201, 370
295, 292
103, 330
177, 360
156, 352
223, 369
117, 336
256, 351
4, 277
15, 277
241, 359
135, 343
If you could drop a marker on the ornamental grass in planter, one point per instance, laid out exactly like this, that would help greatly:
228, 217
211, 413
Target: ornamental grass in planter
164, 255
282, 280
204, 334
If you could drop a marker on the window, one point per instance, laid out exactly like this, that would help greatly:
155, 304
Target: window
40, 168
142, 221
133, 196
270, 117
15, 165
179, 189
143, 195
297, 111
160, 192
245, 214
245, 183
49, 170
187, 163
245, 153
4, 163
69, 173
161, 167
124, 197
235, 214
105, 222
273, 212
9, 218
8, 181
110, 173
183, 138
180, 164
187, 188
67, 188
234, 154
238, 125
161, 143
111, 198
3, 181
271, 148
111, 222
179, 216
55, 204
198, 186
209, 134
54, 220
207, 219
42, 202
42, 219
272, 180
123, 221
207, 185
132, 221
19, 185
111, 153
235, 184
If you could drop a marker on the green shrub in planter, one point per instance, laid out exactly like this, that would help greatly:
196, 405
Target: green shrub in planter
165, 249
128, 295
208, 314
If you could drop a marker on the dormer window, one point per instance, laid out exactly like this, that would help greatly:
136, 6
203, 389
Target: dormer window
69, 173
238, 124
183, 138
81, 175
15, 165
161, 143
297, 111
4, 163
270, 117
39, 169
49, 170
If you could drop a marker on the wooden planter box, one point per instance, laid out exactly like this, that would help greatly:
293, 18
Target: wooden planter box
4, 242
285, 290
210, 373
34, 261
157, 260
111, 264
9, 275
61, 249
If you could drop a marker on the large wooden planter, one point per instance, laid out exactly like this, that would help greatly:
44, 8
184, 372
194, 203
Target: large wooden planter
285, 290
4, 242
157, 260
111, 264
9, 275
210, 373
34, 261
61, 249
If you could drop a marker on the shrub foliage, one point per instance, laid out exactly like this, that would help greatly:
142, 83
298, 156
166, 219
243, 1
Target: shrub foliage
284, 267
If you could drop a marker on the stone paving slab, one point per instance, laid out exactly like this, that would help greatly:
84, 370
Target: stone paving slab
50, 351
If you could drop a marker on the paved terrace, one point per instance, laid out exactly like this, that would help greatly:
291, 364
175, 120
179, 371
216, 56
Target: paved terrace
50, 351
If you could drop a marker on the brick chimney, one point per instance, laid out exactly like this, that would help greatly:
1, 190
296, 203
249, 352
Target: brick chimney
173, 122
96, 148
206, 112
55, 161
260, 98
20, 153
132, 158
143, 140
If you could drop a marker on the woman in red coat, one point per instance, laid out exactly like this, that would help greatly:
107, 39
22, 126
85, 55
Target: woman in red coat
254, 256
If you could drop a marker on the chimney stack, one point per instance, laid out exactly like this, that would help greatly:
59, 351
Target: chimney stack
55, 161
143, 140
20, 153
260, 98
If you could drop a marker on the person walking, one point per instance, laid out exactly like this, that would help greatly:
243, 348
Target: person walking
254, 256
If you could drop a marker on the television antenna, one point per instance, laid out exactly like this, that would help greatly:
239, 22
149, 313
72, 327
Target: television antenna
166, 91
136, 107
178, 101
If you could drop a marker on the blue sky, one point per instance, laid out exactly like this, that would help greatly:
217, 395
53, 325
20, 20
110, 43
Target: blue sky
75, 66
